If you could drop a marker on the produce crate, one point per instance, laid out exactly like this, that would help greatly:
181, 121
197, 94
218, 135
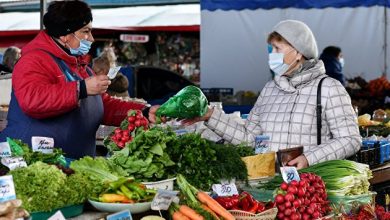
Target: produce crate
345, 203
269, 214
68, 212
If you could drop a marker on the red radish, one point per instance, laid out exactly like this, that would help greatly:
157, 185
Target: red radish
139, 117
294, 183
316, 214
137, 123
279, 199
117, 130
294, 216
301, 192
131, 127
289, 197
118, 136
131, 119
287, 204
309, 210
305, 216
292, 189
281, 207
284, 186
297, 203
287, 212
280, 215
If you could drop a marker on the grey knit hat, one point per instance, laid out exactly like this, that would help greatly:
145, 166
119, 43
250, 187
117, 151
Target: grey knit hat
299, 35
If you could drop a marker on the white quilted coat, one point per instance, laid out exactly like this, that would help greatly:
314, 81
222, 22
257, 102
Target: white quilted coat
286, 111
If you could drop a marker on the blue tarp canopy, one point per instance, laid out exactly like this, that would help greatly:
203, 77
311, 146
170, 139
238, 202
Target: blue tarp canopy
213, 5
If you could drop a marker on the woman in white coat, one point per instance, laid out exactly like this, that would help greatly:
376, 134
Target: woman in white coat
286, 108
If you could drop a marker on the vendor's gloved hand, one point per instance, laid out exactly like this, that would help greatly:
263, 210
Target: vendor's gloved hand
206, 117
97, 85
300, 162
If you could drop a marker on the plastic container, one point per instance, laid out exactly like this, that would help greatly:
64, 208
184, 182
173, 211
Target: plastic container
67, 211
346, 202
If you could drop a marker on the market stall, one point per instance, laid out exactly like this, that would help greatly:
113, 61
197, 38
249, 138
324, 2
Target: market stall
169, 172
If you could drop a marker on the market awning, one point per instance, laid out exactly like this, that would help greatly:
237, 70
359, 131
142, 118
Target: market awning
167, 17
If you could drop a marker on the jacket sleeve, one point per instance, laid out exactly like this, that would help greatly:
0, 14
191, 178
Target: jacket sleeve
115, 110
339, 115
40, 89
234, 132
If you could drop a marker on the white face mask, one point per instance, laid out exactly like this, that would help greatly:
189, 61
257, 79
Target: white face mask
276, 64
341, 60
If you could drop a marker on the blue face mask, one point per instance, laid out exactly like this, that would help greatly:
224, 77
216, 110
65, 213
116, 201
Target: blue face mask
276, 63
83, 49
341, 60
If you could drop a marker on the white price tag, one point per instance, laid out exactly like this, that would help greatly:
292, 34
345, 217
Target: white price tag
163, 199
113, 71
57, 216
122, 215
5, 149
42, 144
289, 174
225, 189
13, 162
7, 188
262, 144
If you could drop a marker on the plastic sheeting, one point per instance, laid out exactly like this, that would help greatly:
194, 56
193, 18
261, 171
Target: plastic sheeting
212, 5
116, 18
234, 49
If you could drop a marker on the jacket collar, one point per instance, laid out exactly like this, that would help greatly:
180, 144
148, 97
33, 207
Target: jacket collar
309, 70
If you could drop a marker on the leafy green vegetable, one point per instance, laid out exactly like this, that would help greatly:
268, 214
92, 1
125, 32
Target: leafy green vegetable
18, 148
144, 158
98, 168
203, 162
189, 102
39, 186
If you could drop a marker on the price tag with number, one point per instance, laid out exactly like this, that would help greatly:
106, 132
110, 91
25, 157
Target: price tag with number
13, 162
225, 189
5, 150
42, 144
163, 199
289, 174
122, 215
7, 188
113, 71
57, 216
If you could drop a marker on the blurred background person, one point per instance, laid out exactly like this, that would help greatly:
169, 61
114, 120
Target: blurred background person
11, 55
334, 63
102, 64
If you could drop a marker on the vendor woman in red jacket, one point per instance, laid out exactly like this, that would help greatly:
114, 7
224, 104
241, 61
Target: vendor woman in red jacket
54, 93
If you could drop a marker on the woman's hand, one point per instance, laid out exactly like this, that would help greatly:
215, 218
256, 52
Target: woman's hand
152, 113
299, 162
187, 122
97, 85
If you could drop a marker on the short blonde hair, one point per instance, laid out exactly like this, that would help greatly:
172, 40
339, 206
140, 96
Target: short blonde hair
101, 63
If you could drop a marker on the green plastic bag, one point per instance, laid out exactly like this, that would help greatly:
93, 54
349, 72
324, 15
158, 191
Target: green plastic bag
189, 102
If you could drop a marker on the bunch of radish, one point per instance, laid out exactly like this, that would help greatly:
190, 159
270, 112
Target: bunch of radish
306, 199
129, 127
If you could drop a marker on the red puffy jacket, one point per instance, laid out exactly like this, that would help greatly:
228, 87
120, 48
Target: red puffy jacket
42, 90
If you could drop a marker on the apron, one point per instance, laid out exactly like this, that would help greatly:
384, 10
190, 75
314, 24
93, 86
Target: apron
74, 132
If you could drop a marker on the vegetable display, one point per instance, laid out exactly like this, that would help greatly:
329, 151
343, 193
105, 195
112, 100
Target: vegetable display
129, 128
189, 102
145, 158
244, 202
126, 190
204, 162
347, 177
39, 186
198, 205
305, 199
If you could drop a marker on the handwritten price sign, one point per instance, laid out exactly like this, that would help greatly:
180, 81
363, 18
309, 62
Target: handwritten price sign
163, 199
289, 174
225, 189
7, 188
